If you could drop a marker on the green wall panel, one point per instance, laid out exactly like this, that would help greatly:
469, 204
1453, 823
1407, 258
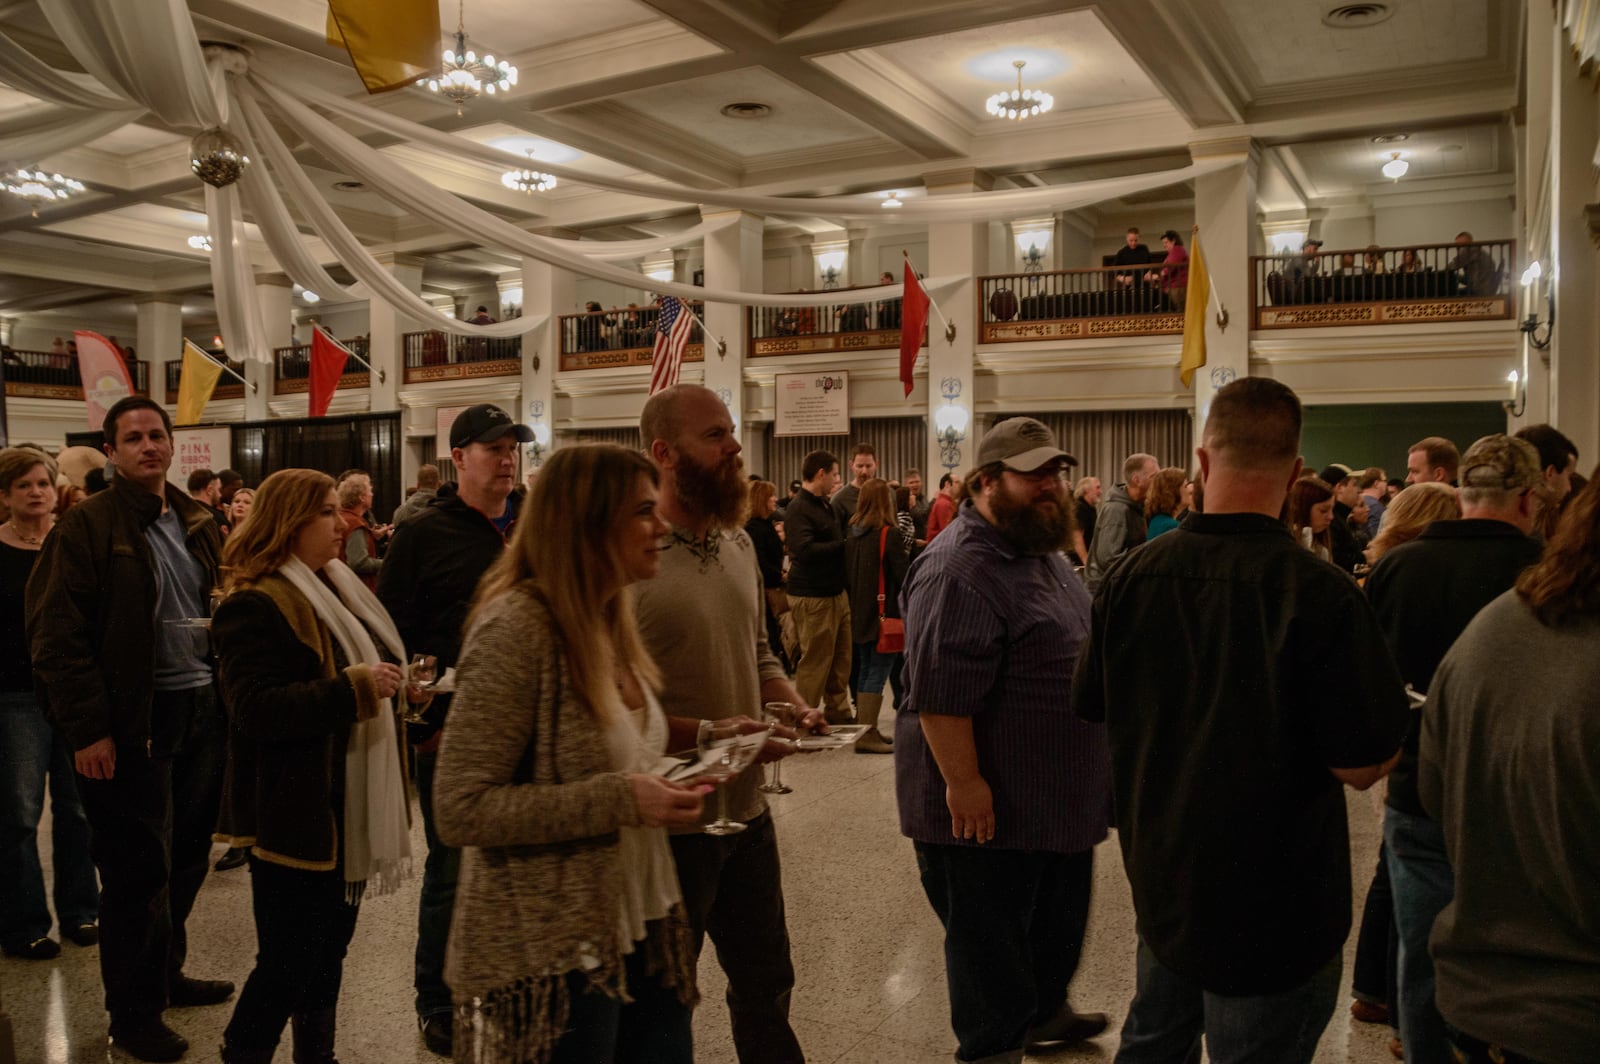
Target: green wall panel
1381, 433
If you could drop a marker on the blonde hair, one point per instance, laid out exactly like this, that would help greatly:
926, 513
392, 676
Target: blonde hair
1411, 511
285, 503
875, 506
565, 553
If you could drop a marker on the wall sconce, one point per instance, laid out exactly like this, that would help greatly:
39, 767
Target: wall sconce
658, 271
950, 423
830, 266
511, 300
541, 433
1517, 405
1033, 243
1531, 325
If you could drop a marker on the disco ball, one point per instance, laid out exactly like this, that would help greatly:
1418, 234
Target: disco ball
217, 157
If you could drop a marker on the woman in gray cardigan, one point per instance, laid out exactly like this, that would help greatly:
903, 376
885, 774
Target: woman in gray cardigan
569, 941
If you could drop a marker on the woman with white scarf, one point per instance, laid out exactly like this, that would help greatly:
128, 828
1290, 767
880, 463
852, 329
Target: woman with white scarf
315, 790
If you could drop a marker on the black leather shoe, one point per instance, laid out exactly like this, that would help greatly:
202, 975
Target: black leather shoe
153, 1041
185, 993
83, 934
235, 857
40, 949
438, 1033
1067, 1028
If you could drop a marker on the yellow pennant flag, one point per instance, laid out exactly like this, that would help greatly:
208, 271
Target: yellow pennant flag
195, 385
1194, 314
391, 42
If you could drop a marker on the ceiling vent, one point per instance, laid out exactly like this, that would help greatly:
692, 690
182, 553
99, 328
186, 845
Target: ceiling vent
349, 186
1358, 15
1391, 138
747, 110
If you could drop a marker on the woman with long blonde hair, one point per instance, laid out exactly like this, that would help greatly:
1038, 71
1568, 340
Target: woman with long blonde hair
1411, 511
569, 941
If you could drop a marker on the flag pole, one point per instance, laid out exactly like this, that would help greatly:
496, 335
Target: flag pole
229, 370
705, 337
381, 375
1222, 312
949, 329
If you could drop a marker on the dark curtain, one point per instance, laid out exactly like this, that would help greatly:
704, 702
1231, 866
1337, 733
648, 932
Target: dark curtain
371, 442
95, 438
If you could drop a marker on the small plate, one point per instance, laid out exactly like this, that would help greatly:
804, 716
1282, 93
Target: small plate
841, 736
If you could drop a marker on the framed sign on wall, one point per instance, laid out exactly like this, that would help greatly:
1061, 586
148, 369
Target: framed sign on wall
812, 404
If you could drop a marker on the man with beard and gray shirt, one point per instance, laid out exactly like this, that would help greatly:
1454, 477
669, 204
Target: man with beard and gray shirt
1119, 521
702, 617
1002, 790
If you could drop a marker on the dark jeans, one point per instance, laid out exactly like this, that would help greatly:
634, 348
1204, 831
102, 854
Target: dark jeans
151, 839
436, 904
1170, 1011
1013, 932
653, 1028
303, 927
1470, 1050
1373, 979
1423, 884
733, 890
30, 751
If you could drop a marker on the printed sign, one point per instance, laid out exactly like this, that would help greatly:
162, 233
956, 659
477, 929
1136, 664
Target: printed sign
444, 417
812, 404
210, 448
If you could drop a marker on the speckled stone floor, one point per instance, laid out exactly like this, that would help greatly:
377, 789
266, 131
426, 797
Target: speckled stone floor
866, 950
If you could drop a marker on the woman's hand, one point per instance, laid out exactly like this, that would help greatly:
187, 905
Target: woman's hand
664, 804
388, 677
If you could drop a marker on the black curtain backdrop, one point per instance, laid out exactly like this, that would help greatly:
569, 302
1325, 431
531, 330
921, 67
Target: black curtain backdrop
330, 444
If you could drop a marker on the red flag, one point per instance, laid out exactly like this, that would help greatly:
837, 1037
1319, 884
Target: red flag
673, 321
104, 374
328, 357
913, 323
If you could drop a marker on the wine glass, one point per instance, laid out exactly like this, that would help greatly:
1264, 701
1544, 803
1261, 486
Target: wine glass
778, 713
419, 673
736, 751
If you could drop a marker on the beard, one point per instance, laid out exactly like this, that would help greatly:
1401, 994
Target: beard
1033, 526
716, 491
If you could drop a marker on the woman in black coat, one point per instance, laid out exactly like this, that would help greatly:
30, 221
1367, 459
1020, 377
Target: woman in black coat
873, 541
763, 532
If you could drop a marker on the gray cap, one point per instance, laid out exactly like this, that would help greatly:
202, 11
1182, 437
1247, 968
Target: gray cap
1501, 462
1022, 444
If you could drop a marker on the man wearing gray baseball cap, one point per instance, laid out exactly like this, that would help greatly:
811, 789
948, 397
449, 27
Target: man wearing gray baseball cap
1002, 789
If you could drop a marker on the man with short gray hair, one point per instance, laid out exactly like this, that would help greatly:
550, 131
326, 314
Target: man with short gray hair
1119, 521
418, 500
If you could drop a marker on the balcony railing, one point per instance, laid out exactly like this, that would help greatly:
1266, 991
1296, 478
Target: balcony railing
439, 356
47, 375
1080, 304
227, 387
833, 327
292, 367
1384, 285
605, 339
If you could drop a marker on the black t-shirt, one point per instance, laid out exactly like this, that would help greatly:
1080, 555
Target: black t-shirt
1085, 515
16, 565
1233, 669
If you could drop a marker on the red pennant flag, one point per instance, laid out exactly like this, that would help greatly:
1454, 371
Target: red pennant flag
913, 322
328, 357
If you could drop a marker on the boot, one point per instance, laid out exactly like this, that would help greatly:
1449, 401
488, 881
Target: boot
313, 1036
242, 1055
868, 707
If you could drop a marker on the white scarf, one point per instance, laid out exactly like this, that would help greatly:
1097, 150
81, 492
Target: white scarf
377, 840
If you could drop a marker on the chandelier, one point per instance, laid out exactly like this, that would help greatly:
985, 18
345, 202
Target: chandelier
1396, 167
38, 187
529, 180
466, 75
1020, 103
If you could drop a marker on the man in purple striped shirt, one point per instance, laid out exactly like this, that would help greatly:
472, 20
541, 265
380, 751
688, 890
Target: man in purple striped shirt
1003, 790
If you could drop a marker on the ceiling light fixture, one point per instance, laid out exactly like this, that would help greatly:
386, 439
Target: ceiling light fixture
529, 180
1019, 103
310, 297
200, 242
38, 187
1396, 167
892, 201
464, 75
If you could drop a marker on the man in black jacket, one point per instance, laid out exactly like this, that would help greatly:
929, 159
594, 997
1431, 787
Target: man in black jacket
117, 610
817, 598
427, 583
1348, 543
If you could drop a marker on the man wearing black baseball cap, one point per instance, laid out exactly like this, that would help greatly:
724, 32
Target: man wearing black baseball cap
427, 583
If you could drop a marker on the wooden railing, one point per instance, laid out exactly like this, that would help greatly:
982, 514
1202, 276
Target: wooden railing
292, 367
606, 339
871, 326
439, 356
1143, 300
227, 387
1384, 285
47, 375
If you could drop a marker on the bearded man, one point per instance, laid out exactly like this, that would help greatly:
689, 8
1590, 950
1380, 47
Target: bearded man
1003, 791
703, 619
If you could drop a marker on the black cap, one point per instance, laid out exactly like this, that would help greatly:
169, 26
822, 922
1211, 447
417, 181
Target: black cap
485, 423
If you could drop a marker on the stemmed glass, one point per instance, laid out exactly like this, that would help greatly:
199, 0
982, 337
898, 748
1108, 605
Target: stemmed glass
778, 713
737, 751
420, 673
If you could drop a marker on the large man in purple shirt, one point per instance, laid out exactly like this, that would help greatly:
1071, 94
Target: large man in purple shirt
1002, 789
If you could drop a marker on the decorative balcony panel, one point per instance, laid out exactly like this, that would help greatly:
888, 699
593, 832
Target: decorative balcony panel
1080, 304
873, 326
292, 368
47, 375
621, 336
440, 356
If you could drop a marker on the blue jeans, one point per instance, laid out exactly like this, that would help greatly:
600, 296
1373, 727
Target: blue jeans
1419, 871
653, 1028
1170, 1011
437, 903
30, 751
872, 668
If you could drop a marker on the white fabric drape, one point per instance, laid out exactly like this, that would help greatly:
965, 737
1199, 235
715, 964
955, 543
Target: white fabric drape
38, 132
26, 72
620, 250
233, 278
145, 51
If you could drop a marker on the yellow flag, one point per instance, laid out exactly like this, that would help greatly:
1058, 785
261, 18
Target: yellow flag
195, 385
1194, 314
391, 42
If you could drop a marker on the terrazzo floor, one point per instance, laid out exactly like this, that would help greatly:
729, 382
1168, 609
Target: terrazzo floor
866, 950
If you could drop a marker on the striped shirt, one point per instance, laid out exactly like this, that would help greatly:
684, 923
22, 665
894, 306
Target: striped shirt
993, 635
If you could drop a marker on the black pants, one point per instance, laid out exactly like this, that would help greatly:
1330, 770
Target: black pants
733, 890
1377, 943
303, 928
150, 827
1013, 934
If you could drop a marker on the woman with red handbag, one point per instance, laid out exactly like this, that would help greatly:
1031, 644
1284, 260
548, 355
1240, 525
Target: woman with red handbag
875, 566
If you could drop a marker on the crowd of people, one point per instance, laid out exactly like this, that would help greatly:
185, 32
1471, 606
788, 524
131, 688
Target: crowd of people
272, 669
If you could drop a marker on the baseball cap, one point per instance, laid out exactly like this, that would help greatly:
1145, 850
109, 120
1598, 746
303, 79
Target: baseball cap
485, 423
1022, 445
1501, 462
1335, 473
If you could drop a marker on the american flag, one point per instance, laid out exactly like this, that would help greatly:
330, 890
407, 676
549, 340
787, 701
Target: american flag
673, 323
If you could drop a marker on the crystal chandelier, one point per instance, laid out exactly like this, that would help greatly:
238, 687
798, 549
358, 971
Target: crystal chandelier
466, 75
38, 187
529, 180
1020, 103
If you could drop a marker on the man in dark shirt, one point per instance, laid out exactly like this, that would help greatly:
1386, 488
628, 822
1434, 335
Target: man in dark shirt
1425, 593
1131, 253
1348, 543
1086, 500
817, 597
1229, 759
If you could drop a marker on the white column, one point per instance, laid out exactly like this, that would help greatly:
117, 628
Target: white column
1574, 369
6, 327
158, 338
548, 290
1225, 211
275, 297
954, 249
387, 327
733, 260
